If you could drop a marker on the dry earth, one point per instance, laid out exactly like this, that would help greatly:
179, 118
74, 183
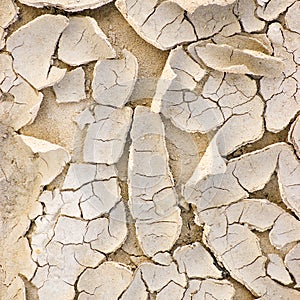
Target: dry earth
150, 149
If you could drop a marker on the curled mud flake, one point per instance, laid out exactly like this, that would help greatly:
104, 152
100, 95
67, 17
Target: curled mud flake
286, 230
83, 41
258, 214
8, 13
254, 42
254, 170
289, 180
191, 6
152, 197
209, 289
213, 186
277, 270
196, 262
294, 135
106, 137
270, 9
67, 5
114, 80
108, 281
213, 190
226, 58
50, 158
245, 10
292, 261
281, 93
32, 47
71, 88
161, 24
214, 19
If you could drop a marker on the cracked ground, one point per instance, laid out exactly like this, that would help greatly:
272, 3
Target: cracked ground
150, 149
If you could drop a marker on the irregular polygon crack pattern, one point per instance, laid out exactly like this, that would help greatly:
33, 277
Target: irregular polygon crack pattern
232, 76
114, 80
32, 47
227, 229
155, 278
83, 41
226, 101
71, 88
281, 93
152, 197
162, 24
106, 135
67, 5
214, 19
106, 282
24, 167
191, 6
245, 10
81, 223
270, 9
238, 249
240, 176
20, 102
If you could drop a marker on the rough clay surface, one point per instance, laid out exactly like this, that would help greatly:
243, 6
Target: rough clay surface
82, 42
149, 150
67, 5
191, 6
